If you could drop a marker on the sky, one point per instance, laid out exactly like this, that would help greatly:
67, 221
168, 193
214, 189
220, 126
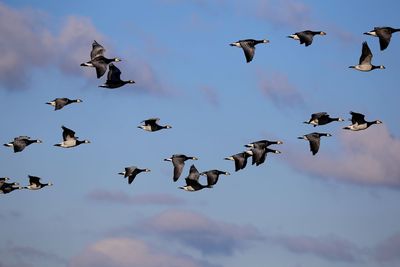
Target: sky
338, 208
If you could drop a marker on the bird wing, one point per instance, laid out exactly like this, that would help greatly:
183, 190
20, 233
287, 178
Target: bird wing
384, 35
305, 37
318, 115
100, 65
21, 137
240, 161
178, 163
366, 54
97, 50
258, 154
193, 173
68, 134
314, 143
19, 144
151, 121
357, 118
61, 102
133, 175
212, 178
129, 171
34, 180
114, 74
248, 50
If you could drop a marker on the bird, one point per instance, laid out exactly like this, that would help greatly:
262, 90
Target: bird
21, 142
248, 46
314, 139
192, 181
131, 173
212, 176
240, 159
321, 118
59, 103
97, 59
359, 123
384, 34
114, 78
69, 139
260, 154
306, 37
6, 188
151, 125
178, 160
263, 143
35, 184
365, 60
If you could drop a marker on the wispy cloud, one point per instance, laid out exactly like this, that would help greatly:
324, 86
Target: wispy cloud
388, 250
128, 252
120, 197
368, 157
26, 255
200, 232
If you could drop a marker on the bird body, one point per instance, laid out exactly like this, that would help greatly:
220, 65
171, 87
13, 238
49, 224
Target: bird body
114, 78
314, 140
59, 103
192, 181
359, 123
35, 184
240, 159
384, 34
212, 176
260, 154
321, 118
151, 125
131, 173
69, 139
21, 142
6, 188
249, 47
178, 160
306, 37
365, 60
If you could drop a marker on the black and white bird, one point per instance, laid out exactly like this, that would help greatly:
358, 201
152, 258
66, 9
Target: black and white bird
21, 142
151, 125
97, 59
212, 176
114, 78
192, 181
365, 60
131, 173
259, 154
384, 34
306, 37
178, 160
59, 103
35, 184
321, 118
359, 123
6, 188
249, 47
240, 159
314, 140
263, 143
69, 139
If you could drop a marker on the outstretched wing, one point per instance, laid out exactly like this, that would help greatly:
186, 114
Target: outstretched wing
68, 134
366, 54
384, 35
114, 74
248, 50
357, 118
97, 50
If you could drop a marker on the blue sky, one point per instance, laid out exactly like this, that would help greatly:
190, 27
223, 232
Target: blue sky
338, 208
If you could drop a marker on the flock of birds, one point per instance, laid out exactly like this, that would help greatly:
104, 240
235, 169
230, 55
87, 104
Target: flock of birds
257, 150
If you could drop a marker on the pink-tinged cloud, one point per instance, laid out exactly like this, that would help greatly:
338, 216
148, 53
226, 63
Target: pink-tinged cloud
120, 197
210, 95
201, 233
329, 248
128, 252
277, 88
388, 250
370, 157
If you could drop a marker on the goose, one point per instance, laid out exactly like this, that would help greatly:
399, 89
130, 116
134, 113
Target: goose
69, 139
6, 188
131, 173
314, 139
178, 160
321, 118
240, 159
359, 123
21, 142
306, 37
192, 181
260, 154
263, 143
97, 59
114, 78
365, 60
3, 180
384, 34
212, 176
151, 125
35, 184
59, 103
249, 47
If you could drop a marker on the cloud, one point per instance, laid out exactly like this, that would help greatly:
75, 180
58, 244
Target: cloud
128, 252
25, 255
279, 90
329, 248
370, 157
201, 233
120, 197
210, 95
388, 250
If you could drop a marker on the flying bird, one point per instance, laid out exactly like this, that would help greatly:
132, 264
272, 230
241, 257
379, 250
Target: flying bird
249, 47
69, 139
359, 123
263, 143
192, 181
6, 188
314, 140
151, 125
306, 37
178, 160
98, 61
384, 34
114, 78
321, 118
260, 154
35, 184
59, 103
240, 159
21, 142
212, 176
365, 60
131, 173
